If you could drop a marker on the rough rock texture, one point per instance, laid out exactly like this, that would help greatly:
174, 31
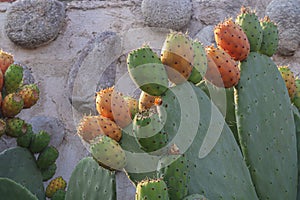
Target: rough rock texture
170, 14
32, 23
286, 14
51, 125
206, 36
93, 61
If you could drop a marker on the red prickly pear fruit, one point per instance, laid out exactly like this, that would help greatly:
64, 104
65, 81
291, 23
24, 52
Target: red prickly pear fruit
30, 95
111, 104
91, 127
6, 60
12, 105
178, 55
232, 39
226, 67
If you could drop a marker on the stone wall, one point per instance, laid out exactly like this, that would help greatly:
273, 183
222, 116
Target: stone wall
88, 52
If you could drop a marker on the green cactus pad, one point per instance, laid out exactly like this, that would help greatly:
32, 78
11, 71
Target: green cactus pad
266, 128
200, 63
9, 190
151, 189
149, 132
24, 140
195, 197
217, 170
251, 26
49, 172
59, 195
91, 181
297, 124
147, 71
19, 165
174, 170
13, 78
296, 99
270, 40
47, 157
39, 142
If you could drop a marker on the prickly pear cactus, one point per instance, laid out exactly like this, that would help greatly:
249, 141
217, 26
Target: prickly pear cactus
195, 197
208, 144
297, 124
151, 189
270, 39
9, 190
266, 128
19, 165
90, 181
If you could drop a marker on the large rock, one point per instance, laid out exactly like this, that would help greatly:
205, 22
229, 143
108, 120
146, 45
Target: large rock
286, 14
170, 14
206, 36
91, 65
32, 23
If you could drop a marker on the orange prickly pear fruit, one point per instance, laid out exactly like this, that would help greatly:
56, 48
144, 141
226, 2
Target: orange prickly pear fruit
227, 68
232, 39
6, 60
146, 101
289, 80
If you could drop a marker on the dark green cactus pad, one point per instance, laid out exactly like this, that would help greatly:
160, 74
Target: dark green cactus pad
147, 71
223, 98
49, 172
251, 26
19, 165
148, 130
91, 181
151, 189
195, 197
270, 40
296, 99
24, 140
15, 127
174, 170
297, 124
200, 63
39, 142
266, 128
217, 168
59, 195
13, 78
47, 157
10, 190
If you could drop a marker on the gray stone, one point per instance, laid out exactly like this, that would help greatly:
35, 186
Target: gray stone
27, 74
125, 188
206, 36
170, 14
286, 14
32, 23
51, 125
91, 65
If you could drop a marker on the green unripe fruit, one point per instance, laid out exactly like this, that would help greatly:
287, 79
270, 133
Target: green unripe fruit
15, 127
49, 172
47, 157
59, 195
13, 78
151, 190
39, 142
24, 140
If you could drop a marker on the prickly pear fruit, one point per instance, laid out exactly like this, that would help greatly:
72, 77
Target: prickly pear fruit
289, 80
59, 195
13, 78
269, 43
47, 157
91, 127
200, 63
108, 153
39, 142
12, 105
250, 24
111, 104
148, 130
195, 197
146, 101
133, 105
177, 55
174, 170
1, 80
25, 140
30, 94
2, 127
48, 173
227, 68
15, 127
147, 71
296, 99
151, 189
6, 59
56, 184
232, 39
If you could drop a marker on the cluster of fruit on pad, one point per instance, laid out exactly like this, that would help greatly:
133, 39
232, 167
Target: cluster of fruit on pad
33, 152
